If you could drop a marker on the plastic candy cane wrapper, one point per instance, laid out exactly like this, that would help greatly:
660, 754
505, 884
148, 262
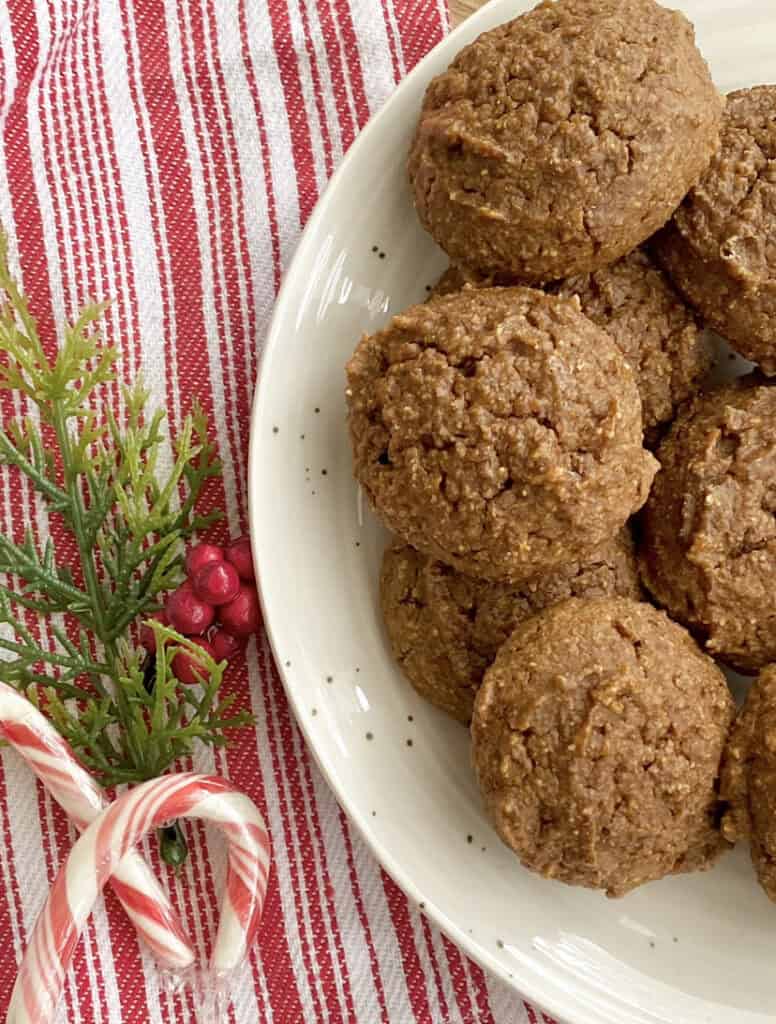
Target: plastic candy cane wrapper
103, 846
51, 759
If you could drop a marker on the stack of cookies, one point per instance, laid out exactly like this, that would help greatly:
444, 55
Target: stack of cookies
601, 204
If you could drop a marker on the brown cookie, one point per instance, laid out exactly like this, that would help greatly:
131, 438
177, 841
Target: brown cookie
445, 628
498, 430
597, 736
709, 528
748, 781
720, 247
558, 142
634, 301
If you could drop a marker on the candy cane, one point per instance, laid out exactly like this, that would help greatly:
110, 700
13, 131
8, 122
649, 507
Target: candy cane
100, 849
51, 759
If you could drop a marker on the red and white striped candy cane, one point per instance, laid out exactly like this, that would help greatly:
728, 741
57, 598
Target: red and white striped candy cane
101, 848
52, 760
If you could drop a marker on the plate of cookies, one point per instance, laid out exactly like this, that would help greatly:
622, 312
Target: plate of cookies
513, 499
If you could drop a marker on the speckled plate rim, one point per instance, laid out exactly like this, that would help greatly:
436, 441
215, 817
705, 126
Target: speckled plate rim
527, 984
577, 1003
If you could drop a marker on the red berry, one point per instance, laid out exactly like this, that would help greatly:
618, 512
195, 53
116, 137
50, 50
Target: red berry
147, 635
225, 645
202, 554
188, 668
187, 613
238, 552
241, 617
216, 583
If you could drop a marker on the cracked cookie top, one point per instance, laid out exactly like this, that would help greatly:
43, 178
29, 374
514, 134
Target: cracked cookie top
556, 143
720, 247
634, 301
498, 430
709, 528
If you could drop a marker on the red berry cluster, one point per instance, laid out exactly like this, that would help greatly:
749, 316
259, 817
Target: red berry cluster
218, 598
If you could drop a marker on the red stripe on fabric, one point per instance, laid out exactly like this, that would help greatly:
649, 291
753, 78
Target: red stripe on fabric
272, 956
317, 88
279, 729
301, 140
227, 259
344, 20
399, 908
531, 1013
390, 35
110, 179
3, 79
317, 902
417, 31
457, 969
11, 914
428, 939
21, 183
237, 768
113, 251
171, 202
481, 991
269, 186
338, 73
84, 214
363, 917
146, 145
317, 834
548, 1020
243, 342
58, 156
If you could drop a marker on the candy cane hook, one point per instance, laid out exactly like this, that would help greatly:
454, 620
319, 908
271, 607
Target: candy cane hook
51, 759
102, 847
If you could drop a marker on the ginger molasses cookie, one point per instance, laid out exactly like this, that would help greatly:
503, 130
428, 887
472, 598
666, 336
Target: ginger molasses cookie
708, 550
656, 331
749, 778
445, 628
597, 737
498, 430
720, 247
556, 143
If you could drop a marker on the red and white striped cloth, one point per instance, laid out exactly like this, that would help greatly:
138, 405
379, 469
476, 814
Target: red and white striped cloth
167, 153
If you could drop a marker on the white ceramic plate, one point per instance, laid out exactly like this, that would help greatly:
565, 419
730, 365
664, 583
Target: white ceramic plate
681, 951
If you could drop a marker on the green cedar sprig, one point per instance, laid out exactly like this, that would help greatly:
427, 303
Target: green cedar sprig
128, 514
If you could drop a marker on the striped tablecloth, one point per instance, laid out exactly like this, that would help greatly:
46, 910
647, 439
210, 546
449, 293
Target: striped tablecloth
166, 153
